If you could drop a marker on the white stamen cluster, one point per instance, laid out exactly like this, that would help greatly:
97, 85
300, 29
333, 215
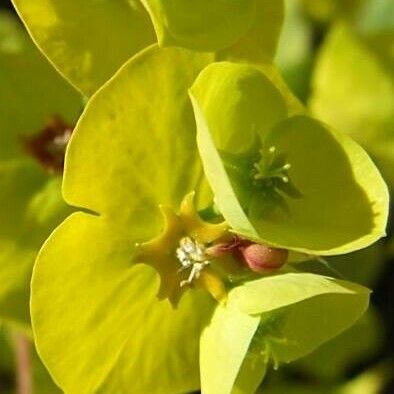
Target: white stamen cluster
191, 254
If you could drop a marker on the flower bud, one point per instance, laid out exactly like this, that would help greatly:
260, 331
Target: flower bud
262, 258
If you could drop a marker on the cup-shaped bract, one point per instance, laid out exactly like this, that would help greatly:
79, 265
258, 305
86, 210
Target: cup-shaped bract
288, 181
241, 28
93, 306
31, 205
279, 318
87, 41
204, 25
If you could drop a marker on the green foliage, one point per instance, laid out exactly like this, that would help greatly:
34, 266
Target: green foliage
333, 360
26, 222
294, 55
41, 381
353, 90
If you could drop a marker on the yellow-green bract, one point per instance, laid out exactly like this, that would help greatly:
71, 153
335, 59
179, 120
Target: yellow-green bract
281, 318
89, 40
246, 29
279, 176
133, 149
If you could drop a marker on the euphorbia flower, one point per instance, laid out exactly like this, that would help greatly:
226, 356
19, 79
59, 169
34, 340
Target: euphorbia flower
279, 176
123, 295
31, 94
179, 253
132, 151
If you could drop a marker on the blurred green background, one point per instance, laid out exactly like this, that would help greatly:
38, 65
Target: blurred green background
338, 57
